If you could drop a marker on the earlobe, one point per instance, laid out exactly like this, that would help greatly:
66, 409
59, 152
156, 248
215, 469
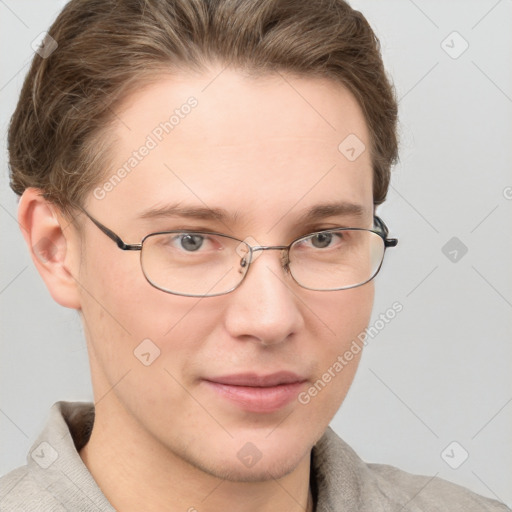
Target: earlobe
53, 246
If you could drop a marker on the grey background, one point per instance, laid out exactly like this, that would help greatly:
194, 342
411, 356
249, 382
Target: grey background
440, 371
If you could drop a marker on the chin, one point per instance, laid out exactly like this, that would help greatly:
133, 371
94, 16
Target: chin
254, 458
269, 468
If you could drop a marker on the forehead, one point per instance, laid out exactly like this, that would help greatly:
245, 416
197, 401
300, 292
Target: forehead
263, 147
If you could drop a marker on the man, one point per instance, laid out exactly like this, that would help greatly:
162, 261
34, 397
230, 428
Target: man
218, 237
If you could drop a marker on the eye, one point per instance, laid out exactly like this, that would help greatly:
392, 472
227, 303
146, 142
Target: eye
184, 242
321, 240
191, 242
324, 240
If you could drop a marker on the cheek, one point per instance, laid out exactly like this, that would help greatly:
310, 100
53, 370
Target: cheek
346, 315
114, 287
125, 315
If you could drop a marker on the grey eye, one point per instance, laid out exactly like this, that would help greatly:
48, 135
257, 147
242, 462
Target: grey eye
321, 240
191, 242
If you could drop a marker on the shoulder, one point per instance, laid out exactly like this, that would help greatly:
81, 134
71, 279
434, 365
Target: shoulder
345, 481
55, 479
428, 493
19, 492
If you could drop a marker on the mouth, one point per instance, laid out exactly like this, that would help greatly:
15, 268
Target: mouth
257, 393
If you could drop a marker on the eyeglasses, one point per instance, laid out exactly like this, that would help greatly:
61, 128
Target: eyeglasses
207, 264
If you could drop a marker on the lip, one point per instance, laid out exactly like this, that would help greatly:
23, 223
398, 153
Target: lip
257, 393
256, 380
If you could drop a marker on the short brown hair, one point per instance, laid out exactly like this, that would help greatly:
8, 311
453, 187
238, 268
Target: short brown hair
57, 137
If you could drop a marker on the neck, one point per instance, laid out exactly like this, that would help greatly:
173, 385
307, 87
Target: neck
136, 472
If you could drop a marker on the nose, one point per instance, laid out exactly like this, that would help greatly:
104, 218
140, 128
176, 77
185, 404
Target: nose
265, 307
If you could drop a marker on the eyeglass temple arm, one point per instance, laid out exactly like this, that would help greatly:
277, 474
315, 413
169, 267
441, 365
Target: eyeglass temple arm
112, 235
381, 226
378, 222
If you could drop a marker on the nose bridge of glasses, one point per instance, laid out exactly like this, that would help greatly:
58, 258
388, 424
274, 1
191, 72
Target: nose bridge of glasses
268, 248
255, 248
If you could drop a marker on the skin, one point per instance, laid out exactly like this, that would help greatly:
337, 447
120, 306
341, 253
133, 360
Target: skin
252, 146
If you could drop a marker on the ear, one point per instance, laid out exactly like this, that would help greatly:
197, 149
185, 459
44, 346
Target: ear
53, 244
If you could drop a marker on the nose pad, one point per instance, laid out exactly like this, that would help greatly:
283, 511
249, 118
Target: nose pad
246, 254
249, 255
242, 269
285, 260
242, 250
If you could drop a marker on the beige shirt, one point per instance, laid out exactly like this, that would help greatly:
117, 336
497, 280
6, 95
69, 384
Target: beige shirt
55, 478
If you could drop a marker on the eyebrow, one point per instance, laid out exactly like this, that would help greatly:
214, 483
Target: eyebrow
314, 213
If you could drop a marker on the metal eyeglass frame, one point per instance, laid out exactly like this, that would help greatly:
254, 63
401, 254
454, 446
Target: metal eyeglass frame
380, 229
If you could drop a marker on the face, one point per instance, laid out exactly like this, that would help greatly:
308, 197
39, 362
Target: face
265, 152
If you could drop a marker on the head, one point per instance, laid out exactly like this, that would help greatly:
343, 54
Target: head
243, 107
